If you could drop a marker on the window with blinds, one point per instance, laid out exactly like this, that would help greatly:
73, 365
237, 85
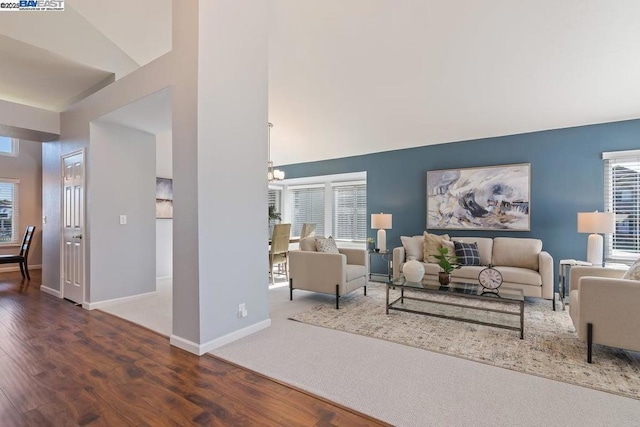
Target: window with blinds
307, 206
8, 211
8, 146
622, 197
274, 199
350, 212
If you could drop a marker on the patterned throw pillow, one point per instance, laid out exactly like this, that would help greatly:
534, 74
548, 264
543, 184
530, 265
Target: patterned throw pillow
327, 245
431, 244
633, 273
467, 253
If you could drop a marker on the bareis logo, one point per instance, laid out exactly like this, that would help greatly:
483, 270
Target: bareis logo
41, 3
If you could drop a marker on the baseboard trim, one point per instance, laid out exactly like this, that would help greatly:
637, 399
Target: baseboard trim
48, 290
200, 349
108, 302
17, 268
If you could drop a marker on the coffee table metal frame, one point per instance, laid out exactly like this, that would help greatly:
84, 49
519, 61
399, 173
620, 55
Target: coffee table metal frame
462, 291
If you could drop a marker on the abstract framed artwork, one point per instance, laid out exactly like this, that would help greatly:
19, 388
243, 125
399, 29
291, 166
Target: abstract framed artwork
483, 198
164, 198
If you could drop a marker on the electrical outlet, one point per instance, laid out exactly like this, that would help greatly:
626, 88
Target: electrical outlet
242, 310
123, 219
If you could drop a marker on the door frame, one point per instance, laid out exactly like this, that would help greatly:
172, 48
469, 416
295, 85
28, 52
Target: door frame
83, 209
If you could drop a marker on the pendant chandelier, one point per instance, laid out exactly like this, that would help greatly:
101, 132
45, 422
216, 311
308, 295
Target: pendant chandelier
272, 174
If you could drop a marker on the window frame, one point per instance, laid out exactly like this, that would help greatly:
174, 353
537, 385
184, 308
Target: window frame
15, 212
612, 160
289, 191
327, 181
334, 186
15, 148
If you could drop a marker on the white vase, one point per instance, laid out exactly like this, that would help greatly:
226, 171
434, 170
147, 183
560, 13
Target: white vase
413, 271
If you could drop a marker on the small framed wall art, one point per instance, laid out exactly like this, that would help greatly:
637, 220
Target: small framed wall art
164, 198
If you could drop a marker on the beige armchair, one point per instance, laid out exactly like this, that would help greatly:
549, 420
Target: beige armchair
327, 273
604, 308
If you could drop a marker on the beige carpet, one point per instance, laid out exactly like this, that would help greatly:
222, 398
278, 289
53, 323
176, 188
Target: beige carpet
550, 348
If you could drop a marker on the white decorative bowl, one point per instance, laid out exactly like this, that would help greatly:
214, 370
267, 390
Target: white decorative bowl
413, 271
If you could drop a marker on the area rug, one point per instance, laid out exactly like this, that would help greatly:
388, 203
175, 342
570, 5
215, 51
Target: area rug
550, 348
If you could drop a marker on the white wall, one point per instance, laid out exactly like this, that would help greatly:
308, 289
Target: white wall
232, 135
123, 172
25, 117
27, 167
233, 75
164, 227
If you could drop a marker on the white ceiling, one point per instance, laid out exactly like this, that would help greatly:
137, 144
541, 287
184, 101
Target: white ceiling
151, 114
51, 59
362, 76
349, 77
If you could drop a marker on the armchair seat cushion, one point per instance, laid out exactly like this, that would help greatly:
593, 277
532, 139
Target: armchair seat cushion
355, 272
574, 308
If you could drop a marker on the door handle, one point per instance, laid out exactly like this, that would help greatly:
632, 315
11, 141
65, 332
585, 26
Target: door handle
79, 236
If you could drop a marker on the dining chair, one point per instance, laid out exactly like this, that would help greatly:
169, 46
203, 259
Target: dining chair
279, 250
308, 230
21, 257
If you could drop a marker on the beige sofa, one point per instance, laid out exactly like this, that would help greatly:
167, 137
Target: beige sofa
604, 308
522, 263
327, 273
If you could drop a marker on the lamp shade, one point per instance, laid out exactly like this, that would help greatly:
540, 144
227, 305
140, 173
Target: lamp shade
380, 221
596, 222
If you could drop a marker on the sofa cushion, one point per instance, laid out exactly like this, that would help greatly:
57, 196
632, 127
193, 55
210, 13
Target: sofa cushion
355, 271
308, 244
468, 272
431, 244
431, 268
524, 276
485, 247
413, 247
516, 252
633, 273
467, 253
327, 245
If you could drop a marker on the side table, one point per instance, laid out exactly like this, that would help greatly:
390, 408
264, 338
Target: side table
386, 256
565, 267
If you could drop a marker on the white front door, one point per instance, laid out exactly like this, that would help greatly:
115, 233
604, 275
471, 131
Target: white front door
72, 269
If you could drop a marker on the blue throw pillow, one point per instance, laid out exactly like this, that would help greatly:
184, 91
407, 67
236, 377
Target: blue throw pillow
467, 253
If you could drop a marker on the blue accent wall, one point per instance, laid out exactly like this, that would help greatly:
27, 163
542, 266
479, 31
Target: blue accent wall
567, 176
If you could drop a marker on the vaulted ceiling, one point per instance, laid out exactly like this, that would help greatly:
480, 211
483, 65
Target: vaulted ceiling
349, 77
51, 60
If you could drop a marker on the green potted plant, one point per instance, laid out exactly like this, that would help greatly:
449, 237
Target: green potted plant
447, 263
371, 243
273, 214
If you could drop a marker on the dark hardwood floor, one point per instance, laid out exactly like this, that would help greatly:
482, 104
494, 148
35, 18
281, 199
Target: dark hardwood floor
61, 365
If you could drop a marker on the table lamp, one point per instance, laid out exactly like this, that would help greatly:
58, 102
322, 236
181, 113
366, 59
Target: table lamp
595, 223
381, 222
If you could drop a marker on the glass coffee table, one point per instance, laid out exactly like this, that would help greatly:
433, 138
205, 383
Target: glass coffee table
466, 302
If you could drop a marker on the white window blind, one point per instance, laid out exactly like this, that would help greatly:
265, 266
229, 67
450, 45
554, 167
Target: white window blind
307, 206
274, 199
350, 212
9, 211
622, 197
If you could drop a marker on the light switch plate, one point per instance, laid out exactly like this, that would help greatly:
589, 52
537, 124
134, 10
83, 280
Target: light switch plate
123, 219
